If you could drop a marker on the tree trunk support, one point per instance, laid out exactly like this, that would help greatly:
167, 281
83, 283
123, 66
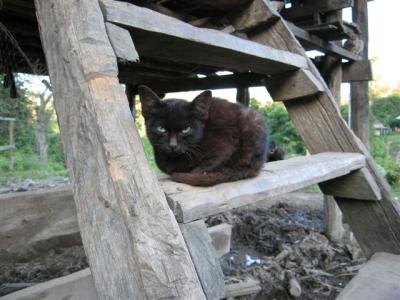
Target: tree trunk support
133, 243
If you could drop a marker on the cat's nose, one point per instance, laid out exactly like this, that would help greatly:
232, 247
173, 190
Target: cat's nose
173, 147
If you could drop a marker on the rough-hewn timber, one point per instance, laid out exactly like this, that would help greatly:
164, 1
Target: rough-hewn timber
376, 225
280, 177
122, 212
172, 39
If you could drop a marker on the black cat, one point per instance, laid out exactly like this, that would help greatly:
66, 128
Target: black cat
206, 141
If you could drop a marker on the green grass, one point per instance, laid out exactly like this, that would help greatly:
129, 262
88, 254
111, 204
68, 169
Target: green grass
28, 166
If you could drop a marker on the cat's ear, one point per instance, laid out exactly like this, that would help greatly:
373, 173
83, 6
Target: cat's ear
201, 104
150, 101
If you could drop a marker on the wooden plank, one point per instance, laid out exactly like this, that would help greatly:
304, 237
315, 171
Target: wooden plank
359, 92
378, 279
248, 287
293, 85
357, 71
311, 41
121, 42
122, 211
209, 82
35, 221
280, 177
78, 285
166, 38
309, 8
376, 224
253, 16
353, 186
205, 259
221, 237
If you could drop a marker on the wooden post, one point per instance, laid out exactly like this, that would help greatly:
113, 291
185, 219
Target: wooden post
243, 96
133, 243
11, 142
359, 100
333, 217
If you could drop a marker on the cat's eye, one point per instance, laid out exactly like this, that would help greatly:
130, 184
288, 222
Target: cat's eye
186, 130
161, 129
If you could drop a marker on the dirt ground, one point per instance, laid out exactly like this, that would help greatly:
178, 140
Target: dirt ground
281, 246
284, 244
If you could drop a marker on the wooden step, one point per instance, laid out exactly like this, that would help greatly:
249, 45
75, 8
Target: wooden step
171, 39
379, 279
191, 203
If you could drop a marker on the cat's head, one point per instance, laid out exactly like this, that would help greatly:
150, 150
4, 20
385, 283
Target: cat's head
174, 126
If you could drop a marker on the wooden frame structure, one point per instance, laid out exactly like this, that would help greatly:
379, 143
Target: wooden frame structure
135, 247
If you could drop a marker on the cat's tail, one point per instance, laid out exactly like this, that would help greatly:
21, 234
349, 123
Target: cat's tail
207, 179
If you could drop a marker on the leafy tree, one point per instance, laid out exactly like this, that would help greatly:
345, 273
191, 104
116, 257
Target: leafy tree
280, 127
386, 109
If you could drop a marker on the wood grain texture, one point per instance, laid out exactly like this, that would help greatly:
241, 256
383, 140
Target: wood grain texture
317, 119
357, 71
35, 221
289, 86
221, 237
244, 288
253, 16
121, 42
280, 177
378, 279
122, 213
172, 39
205, 259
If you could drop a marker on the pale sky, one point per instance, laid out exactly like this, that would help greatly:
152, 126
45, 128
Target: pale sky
384, 35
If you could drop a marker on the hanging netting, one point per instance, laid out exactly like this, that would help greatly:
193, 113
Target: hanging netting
12, 59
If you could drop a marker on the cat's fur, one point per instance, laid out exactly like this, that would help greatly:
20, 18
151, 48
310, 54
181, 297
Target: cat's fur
225, 141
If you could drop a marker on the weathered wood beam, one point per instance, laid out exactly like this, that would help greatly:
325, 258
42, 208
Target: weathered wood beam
311, 41
121, 42
376, 224
167, 38
253, 16
280, 177
221, 237
122, 211
244, 288
357, 71
205, 258
210, 82
311, 7
377, 279
293, 85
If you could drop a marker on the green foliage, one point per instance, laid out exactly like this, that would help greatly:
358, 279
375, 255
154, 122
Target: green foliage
384, 151
386, 109
21, 109
280, 127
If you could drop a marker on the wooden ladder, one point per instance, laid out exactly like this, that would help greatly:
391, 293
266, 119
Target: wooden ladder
124, 219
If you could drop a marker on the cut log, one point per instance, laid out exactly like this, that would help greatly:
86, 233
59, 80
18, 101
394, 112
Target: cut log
192, 203
77, 285
357, 71
221, 237
205, 259
244, 288
253, 16
378, 279
297, 84
172, 39
121, 42
122, 212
